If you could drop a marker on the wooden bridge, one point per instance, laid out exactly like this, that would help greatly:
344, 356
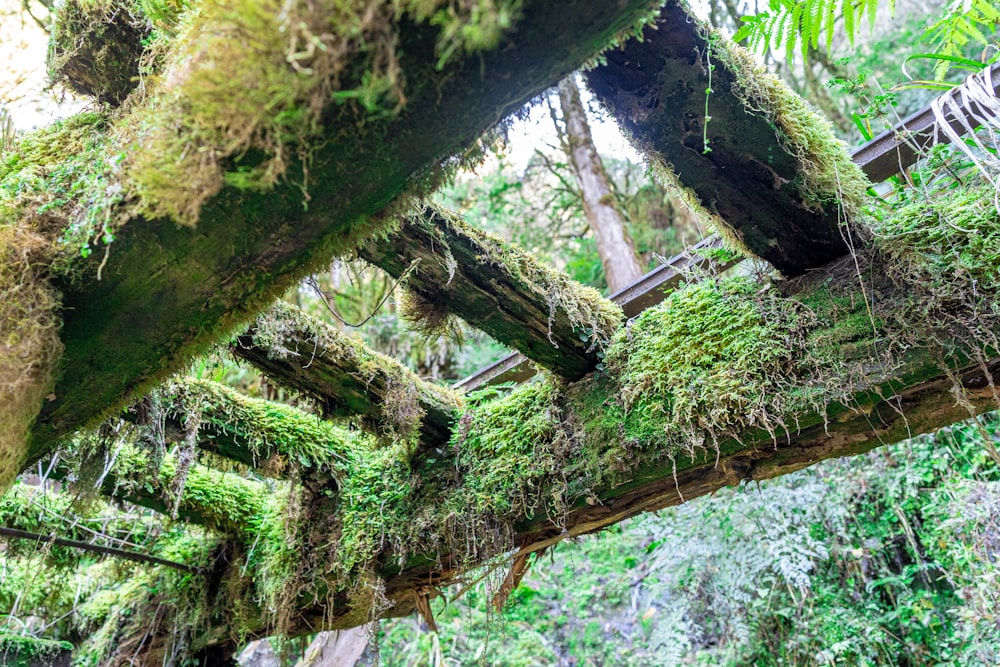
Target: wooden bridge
789, 196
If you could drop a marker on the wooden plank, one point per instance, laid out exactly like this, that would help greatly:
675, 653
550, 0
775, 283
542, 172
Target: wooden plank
899, 147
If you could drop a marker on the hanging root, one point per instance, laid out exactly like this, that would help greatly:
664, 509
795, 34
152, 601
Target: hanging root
29, 343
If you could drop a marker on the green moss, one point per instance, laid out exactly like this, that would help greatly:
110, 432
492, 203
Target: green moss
252, 82
949, 242
828, 175
714, 359
59, 181
24, 651
33, 179
222, 501
95, 48
260, 430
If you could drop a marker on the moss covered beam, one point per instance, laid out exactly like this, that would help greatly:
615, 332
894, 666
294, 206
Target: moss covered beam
727, 381
749, 148
224, 502
345, 377
453, 269
166, 292
272, 437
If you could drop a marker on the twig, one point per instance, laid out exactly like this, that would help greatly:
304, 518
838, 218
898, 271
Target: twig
110, 551
311, 282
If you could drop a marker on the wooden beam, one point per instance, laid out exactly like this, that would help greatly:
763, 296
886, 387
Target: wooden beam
581, 423
125, 554
165, 293
737, 165
499, 289
345, 377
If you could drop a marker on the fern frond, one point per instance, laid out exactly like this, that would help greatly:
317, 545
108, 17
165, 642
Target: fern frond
808, 23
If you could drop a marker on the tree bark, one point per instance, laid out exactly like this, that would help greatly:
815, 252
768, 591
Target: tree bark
614, 245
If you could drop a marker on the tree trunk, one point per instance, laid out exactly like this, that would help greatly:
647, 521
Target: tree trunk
618, 256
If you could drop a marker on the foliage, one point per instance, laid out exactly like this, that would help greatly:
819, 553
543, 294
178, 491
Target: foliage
805, 23
886, 559
963, 24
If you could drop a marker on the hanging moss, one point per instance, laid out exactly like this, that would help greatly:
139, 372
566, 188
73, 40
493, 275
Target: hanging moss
25, 651
35, 178
264, 101
225, 502
453, 269
345, 377
948, 242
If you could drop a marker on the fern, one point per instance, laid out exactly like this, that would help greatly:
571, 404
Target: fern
963, 23
808, 24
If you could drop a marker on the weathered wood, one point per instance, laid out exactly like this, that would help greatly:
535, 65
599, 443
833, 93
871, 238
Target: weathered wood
499, 289
166, 293
737, 165
345, 377
648, 291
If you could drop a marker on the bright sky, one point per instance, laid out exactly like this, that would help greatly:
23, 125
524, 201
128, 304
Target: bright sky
537, 131
23, 44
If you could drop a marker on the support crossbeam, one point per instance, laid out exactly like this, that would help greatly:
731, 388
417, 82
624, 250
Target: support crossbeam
345, 377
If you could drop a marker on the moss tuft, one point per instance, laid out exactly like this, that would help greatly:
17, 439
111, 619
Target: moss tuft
828, 175
585, 309
239, 117
264, 430
714, 359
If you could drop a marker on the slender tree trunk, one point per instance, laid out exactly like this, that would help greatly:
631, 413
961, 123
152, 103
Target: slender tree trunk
618, 256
